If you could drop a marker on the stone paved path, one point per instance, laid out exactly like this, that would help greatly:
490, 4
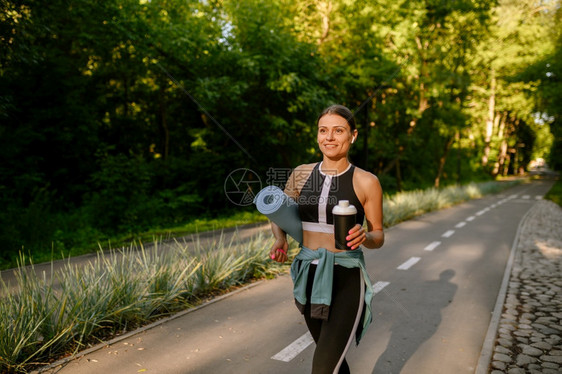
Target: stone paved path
529, 336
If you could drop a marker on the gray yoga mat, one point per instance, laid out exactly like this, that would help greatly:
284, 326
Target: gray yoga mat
280, 209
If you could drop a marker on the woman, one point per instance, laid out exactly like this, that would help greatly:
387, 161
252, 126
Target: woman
331, 286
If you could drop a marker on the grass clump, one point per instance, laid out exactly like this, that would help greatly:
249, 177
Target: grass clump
118, 292
555, 193
405, 205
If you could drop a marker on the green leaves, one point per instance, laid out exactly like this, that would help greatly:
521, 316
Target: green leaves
183, 92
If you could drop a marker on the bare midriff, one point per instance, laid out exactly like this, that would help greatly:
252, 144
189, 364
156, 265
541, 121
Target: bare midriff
314, 240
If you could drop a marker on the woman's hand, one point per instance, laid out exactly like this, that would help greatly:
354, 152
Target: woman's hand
356, 236
279, 250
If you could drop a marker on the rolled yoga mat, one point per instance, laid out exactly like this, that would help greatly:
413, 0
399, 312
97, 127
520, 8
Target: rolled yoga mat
281, 209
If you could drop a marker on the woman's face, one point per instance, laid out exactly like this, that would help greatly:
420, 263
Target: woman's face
334, 136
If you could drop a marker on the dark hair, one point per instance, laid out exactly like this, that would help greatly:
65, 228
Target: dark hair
341, 111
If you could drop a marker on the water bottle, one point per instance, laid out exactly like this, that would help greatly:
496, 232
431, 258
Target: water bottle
344, 219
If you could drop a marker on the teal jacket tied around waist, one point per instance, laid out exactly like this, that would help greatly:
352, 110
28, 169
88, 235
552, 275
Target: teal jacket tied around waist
321, 296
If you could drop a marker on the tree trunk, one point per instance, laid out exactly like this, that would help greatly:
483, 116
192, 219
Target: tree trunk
459, 164
443, 159
126, 97
423, 103
365, 135
325, 8
499, 165
164, 124
490, 120
390, 165
398, 175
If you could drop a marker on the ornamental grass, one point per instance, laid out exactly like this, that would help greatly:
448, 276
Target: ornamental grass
405, 205
117, 292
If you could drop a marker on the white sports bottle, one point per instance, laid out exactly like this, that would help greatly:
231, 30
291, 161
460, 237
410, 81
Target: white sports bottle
345, 217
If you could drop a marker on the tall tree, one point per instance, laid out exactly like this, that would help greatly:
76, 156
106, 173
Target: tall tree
504, 105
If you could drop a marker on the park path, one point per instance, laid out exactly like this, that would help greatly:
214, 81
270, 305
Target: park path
437, 280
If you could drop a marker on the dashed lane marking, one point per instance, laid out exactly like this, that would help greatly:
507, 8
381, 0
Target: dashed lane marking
293, 349
480, 212
460, 224
377, 287
431, 246
448, 234
408, 264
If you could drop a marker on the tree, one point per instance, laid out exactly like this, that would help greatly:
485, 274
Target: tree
504, 103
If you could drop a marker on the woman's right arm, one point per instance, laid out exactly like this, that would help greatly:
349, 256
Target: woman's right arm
280, 243
292, 189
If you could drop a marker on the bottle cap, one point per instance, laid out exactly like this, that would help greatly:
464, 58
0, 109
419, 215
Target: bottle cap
344, 208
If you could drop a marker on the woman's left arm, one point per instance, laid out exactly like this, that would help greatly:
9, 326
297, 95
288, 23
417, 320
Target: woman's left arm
369, 190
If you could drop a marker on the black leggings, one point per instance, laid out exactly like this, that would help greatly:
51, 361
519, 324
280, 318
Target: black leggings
334, 336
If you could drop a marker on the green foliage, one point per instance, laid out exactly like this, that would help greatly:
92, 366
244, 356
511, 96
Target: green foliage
121, 117
548, 71
555, 193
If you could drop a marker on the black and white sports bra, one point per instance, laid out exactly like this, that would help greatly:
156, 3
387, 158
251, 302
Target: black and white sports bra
321, 193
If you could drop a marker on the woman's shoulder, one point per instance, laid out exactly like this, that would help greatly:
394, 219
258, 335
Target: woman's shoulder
364, 174
298, 178
366, 178
303, 171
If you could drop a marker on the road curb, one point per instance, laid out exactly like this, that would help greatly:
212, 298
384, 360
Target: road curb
488, 346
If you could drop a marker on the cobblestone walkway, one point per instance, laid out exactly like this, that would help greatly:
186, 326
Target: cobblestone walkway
529, 337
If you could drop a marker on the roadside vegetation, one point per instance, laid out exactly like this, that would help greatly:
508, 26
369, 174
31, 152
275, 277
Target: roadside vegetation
74, 239
120, 291
555, 193
48, 318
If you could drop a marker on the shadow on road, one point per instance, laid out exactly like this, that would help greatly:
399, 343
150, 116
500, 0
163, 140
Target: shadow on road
420, 320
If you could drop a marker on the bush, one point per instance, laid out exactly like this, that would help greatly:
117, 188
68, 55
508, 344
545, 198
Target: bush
26, 226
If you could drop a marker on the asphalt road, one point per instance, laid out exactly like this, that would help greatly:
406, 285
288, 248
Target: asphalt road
437, 280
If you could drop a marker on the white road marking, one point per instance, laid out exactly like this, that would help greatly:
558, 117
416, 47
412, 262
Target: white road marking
526, 197
448, 234
293, 349
432, 246
471, 218
377, 287
480, 212
408, 264
538, 197
460, 224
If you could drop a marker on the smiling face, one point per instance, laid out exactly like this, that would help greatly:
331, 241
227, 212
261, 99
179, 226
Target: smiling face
334, 136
